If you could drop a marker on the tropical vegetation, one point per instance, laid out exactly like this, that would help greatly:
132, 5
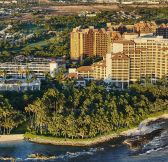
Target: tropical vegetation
67, 111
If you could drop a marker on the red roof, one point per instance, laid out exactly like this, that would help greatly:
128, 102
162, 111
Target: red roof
71, 75
84, 69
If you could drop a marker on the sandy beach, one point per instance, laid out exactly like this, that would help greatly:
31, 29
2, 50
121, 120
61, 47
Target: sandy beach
14, 137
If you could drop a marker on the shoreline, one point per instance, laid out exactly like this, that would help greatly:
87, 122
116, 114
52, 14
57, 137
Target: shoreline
89, 142
11, 137
41, 139
77, 142
72, 142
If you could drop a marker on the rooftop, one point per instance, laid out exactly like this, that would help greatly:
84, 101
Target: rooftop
101, 63
84, 69
119, 56
123, 41
71, 75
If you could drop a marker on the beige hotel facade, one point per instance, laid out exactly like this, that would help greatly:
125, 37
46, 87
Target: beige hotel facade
91, 42
131, 61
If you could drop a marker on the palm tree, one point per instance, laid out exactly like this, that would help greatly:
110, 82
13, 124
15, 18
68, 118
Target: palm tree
27, 72
3, 74
9, 118
21, 72
163, 81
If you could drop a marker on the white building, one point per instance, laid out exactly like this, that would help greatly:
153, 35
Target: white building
21, 70
20, 85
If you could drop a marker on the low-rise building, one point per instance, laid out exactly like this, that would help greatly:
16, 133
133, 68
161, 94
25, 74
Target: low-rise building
21, 70
145, 27
20, 85
85, 72
140, 27
99, 70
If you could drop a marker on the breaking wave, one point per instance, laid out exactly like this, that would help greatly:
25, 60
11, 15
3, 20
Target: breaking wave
67, 156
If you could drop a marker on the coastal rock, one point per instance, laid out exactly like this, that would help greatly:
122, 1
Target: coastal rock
138, 141
152, 134
38, 156
6, 158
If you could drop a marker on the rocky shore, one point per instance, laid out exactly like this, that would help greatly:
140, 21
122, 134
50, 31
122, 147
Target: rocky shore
152, 134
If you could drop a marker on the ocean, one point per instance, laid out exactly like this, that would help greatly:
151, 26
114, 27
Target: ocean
21, 151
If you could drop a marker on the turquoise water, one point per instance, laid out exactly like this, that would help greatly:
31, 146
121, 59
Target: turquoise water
104, 153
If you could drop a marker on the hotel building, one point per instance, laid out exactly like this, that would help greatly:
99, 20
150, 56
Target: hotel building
20, 70
141, 27
96, 71
148, 57
130, 61
91, 42
94, 42
118, 69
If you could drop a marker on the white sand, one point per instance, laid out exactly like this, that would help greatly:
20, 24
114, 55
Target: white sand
13, 137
